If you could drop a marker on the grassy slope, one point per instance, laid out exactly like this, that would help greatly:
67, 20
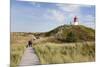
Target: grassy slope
80, 33
49, 51
58, 50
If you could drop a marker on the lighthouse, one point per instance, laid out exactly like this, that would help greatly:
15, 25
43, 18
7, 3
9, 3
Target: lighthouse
75, 21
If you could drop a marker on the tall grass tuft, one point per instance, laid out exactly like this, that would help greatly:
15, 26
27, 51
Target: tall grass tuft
16, 54
53, 53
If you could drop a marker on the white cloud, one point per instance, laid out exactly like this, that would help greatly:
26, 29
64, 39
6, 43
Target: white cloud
35, 3
55, 15
69, 8
58, 15
88, 20
75, 10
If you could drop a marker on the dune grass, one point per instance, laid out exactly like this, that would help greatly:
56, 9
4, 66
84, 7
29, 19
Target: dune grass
18, 45
16, 54
53, 53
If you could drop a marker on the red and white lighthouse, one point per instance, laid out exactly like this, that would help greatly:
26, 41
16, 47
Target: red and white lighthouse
75, 21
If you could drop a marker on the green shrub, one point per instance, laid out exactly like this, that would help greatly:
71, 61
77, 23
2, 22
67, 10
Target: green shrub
71, 37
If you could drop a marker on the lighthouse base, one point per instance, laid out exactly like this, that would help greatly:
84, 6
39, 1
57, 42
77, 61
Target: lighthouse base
75, 23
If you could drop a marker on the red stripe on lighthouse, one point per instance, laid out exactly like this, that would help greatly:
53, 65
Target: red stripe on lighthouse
75, 19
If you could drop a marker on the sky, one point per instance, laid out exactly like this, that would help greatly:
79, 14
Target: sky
30, 16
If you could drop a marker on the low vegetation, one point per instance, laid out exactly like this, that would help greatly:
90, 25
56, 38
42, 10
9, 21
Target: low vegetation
16, 54
53, 53
18, 43
71, 33
65, 44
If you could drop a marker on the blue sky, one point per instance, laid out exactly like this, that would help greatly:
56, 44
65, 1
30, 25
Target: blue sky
41, 17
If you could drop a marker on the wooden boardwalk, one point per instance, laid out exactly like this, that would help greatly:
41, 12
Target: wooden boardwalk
29, 58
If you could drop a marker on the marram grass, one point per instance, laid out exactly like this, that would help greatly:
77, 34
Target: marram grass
16, 54
53, 53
